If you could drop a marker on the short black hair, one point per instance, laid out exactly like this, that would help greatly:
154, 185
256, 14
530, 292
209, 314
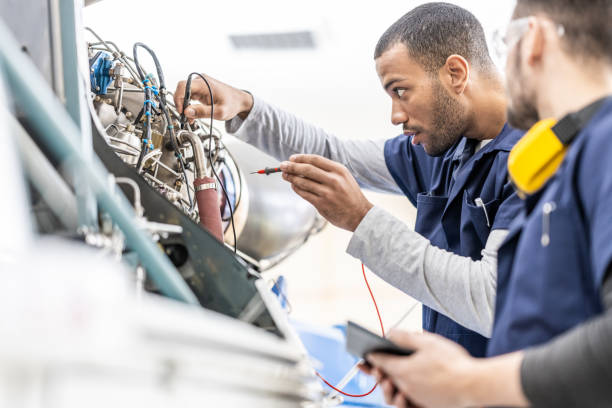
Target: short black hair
434, 31
587, 31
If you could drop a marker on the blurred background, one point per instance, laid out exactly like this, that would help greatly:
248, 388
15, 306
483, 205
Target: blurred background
316, 61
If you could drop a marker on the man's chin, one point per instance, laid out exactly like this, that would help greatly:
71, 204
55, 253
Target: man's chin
437, 150
434, 152
424, 140
523, 118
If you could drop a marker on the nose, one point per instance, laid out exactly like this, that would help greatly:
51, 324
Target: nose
398, 115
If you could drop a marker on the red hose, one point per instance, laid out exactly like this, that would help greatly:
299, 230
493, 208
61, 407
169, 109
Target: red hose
208, 206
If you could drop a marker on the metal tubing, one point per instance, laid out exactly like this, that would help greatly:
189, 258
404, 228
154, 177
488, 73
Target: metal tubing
199, 160
60, 135
15, 219
76, 106
45, 178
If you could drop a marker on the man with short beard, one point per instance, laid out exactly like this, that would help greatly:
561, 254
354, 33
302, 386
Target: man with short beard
555, 268
450, 162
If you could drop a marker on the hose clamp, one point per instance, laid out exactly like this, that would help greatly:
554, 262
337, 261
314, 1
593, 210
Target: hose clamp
206, 186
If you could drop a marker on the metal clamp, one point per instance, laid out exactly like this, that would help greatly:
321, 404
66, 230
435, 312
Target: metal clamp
206, 186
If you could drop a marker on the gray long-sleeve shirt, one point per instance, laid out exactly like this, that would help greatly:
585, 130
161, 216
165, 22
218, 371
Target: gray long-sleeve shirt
456, 286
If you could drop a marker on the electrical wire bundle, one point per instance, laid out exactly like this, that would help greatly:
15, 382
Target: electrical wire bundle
150, 89
153, 94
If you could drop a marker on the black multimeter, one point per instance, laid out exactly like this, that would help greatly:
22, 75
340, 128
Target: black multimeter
360, 341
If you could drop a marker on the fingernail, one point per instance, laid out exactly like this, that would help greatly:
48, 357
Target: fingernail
190, 112
293, 157
284, 165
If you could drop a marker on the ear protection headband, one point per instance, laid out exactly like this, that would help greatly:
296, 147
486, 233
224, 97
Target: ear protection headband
539, 153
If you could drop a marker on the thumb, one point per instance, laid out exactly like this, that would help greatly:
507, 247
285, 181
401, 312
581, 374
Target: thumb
381, 360
197, 111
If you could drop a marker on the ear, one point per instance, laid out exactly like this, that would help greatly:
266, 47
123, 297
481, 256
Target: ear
455, 73
534, 41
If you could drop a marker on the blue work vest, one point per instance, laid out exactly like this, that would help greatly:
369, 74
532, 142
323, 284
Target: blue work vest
552, 264
446, 191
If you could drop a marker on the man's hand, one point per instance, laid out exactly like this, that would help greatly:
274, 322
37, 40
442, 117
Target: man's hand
228, 101
436, 375
392, 395
329, 187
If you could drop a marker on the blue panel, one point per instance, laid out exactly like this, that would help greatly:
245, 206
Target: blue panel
327, 345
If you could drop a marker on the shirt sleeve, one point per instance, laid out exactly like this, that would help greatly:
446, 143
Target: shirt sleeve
574, 370
457, 286
281, 134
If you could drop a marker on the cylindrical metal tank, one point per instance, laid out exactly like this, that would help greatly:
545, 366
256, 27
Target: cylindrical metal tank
278, 221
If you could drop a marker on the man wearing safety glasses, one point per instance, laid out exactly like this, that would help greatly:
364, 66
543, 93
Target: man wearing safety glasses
554, 291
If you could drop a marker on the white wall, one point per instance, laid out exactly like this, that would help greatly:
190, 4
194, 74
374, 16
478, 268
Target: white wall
334, 86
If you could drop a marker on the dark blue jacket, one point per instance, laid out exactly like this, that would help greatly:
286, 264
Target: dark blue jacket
553, 261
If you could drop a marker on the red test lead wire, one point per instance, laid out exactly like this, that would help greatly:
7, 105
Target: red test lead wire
346, 393
383, 334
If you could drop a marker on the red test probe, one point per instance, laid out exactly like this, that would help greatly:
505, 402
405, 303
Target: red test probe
268, 170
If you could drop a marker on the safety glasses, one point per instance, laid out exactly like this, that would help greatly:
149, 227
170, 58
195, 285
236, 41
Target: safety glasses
505, 40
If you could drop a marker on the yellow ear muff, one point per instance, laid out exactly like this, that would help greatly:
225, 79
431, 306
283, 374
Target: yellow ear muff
535, 158
538, 155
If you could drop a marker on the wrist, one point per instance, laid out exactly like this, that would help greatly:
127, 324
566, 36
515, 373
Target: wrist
367, 206
470, 383
246, 104
494, 382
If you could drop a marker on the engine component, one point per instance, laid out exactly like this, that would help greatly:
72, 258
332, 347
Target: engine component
139, 124
179, 164
134, 147
100, 67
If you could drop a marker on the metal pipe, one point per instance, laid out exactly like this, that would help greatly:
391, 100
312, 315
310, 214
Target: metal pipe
18, 232
117, 140
120, 97
149, 156
76, 105
60, 135
136, 190
45, 178
199, 159
113, 89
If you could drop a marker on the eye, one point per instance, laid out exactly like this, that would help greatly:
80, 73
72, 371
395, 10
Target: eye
399, 91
